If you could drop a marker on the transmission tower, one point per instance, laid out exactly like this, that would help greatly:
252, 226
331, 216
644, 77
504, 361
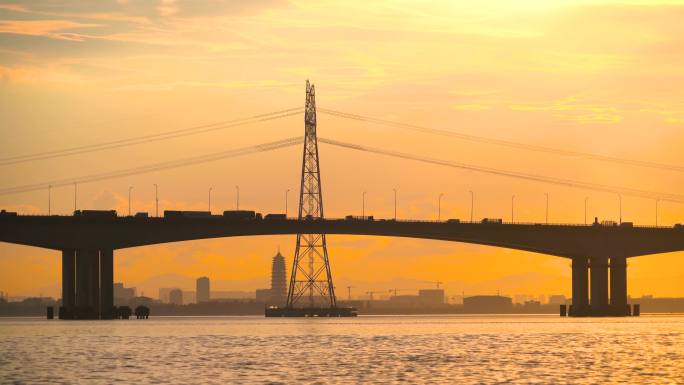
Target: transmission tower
311, 275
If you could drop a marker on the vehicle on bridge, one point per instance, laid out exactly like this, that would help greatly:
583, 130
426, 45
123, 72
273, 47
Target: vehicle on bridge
492, 221
453, 220
4, 213
241, 214
626, 224
359, 218
174, 214
275, 217
141, 215
95, 213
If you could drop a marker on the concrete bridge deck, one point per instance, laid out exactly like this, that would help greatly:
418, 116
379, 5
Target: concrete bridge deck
563, 240
87, 244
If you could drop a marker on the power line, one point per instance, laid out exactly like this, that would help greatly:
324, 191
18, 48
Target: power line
504, 143
150, 138
156, 166
512, 174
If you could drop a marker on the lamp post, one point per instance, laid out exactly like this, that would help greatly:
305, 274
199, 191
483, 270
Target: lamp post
586, 199
512, 200
439, 206
395, 203
75, 194
547, 208
210, 188
130, 188
656, 211
620, 198
156, 200
237, 203
363, 204
472, 202
286, 191
49, 199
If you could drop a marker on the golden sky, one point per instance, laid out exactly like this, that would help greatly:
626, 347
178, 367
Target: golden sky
591, 76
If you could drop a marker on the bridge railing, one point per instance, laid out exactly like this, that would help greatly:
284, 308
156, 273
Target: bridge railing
218, 217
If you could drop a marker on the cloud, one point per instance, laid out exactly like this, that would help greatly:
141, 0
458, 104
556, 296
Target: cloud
571, 109
48, 28
470, 107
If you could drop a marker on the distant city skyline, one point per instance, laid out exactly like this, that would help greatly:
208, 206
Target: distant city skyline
539, 82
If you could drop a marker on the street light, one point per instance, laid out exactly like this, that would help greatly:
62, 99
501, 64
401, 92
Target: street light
439, 207
210, 188
395, 203
49, 199
472, 201
657, 200
512, 199
75, 193
620, 198
237, 204
586, 199
363, 204
129, 200
286, 191
547, 208
156, 200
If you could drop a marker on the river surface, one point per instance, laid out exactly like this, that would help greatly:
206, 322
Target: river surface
368, 349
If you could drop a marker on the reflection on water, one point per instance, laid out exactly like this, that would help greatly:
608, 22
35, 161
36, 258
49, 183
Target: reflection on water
391, 349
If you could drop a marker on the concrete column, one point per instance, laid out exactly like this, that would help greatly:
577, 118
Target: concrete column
68, 282
87, 283
82, 268
106, 283
94, 282
618, 282
599, 283
580, 284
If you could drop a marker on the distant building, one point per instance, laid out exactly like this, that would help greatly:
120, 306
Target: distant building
263, 295
176, 297
189, 296
122, 295
37, 301
431, 297
487, 304
278, 280
232, 294
202, 290
532, 305
404, 301
557, 299
164, 294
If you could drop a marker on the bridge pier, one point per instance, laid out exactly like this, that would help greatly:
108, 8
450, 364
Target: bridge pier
87, 284
618, 286
590, 276
68, 284
107, 284
580, 286
599, 283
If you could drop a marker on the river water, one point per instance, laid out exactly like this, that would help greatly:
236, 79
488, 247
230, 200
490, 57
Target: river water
371, 349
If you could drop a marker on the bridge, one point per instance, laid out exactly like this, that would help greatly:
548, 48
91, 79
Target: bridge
598, 252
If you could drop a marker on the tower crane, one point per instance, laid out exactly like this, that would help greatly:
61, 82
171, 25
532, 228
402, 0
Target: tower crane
396, 290
435, 282
349, 292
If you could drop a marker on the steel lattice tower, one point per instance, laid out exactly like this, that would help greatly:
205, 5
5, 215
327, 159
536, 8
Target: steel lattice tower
311, 268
